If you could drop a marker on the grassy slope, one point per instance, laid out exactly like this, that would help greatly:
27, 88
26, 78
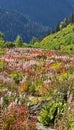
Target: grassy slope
63, 39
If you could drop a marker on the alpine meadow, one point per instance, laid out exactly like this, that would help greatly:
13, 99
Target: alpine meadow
36, 64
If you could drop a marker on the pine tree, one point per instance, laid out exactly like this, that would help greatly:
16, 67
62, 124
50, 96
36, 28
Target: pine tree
2, 40
18, 42
33, 40
71, 19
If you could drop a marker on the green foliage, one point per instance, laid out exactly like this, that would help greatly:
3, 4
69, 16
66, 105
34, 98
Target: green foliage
58, 106
70, 120
9, 121
62, 40
9, 45
17, 77
2, 41
33, 40
1, 64
63, 24
71, 18
42, 57
56, 28
1, 52
18, 41
1, 36
49, 112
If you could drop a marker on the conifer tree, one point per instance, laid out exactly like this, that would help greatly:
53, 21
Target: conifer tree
2, 40
18, 41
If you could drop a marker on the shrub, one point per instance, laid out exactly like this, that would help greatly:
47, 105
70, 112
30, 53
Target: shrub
17, 118
17, 77
49, 113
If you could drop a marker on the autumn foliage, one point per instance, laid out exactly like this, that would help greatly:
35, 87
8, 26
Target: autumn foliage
17, 118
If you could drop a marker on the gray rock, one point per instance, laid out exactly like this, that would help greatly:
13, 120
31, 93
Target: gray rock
39, 126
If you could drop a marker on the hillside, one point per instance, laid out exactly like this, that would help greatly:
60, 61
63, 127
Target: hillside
47, 12
36, 89
12, 24
64, 39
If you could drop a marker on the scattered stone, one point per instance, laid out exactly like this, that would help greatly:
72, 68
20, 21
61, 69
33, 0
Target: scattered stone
39, 126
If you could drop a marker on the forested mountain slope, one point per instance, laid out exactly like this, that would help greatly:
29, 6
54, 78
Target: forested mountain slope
47, 12
13, 24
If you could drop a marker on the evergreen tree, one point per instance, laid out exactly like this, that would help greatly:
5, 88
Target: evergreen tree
33, 40
63, 24
2, 40
1, 36
18, 41
9, 44
57, 28
71, 19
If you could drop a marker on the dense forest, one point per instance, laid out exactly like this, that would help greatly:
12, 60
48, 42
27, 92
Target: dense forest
47, 12
32, 18
13, 24
60, 37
